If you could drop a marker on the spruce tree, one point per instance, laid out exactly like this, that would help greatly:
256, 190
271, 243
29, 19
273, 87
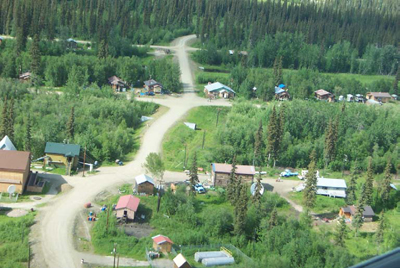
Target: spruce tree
10, 120
330, 141
71, 124
381, 227
396, 82
232, 183
273, 132
386, 183
4, 119
358, 219
35, 55
258, 145
369, 184
341, 232
28, 135
193, 177
256, 198
241, 209
351, 190
310, 190
273, 220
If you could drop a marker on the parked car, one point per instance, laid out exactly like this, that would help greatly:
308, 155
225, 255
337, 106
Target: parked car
288, 173
199, 188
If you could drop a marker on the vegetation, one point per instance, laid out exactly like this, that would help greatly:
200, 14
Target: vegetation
14, 240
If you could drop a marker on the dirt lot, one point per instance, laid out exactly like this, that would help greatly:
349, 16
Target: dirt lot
137, 230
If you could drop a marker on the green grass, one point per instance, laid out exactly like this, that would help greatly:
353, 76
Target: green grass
180, 134
323, 204
14, 240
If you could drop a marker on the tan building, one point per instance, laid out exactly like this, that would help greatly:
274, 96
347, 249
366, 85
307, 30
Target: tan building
14, 169
322, 94
144, 184
61, 154
127, 206
117, 83
181, 262
153, 86
219, 90
349, 212
379, 96
220, 173
162, 243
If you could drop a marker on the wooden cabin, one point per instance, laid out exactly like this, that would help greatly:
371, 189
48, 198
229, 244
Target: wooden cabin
127, 207
153, 86
379, 96
14, 169
162, 243
220, 173
144, 184
117, 83
62, 154
349, 212
219, 90
322, 94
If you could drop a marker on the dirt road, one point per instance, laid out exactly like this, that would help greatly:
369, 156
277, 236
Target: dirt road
56, 220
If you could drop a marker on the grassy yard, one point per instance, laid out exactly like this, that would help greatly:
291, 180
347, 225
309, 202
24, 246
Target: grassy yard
180, 135
323, 204
14, 240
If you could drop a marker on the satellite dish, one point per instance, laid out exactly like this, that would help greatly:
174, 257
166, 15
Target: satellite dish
253, 189
11, 189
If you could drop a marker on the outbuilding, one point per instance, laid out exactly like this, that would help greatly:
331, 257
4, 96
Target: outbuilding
379, 96
181, 262
162, 243
153, 86
127, 206
14, 169
349, 212
144, 184
117, 83
6, 144
220, 173
322, 94
218, 89
62, 154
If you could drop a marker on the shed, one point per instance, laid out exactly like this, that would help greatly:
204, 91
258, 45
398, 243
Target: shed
71, 43
127, 206
218, 89
181, 262
6, 144
190, 125
349, 212
152, 85
14, 169
144, 184
25, 77
379, 96
162, 243
117, 83
322, 94
220, 173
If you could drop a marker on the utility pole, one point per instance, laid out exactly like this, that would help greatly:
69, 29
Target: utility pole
204, 139
118, 261
84, 162
108, 214
218, 111
115, 253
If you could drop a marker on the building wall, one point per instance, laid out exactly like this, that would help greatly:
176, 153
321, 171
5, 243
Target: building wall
222, 179
63, 159
19, 179
145, 187
383, 100
164, 247
185, 265
130, 213
368, 219
346, 215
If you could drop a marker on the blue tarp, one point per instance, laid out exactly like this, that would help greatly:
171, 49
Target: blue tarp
282, 86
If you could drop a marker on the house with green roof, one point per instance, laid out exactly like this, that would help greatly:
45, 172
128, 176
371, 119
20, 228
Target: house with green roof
62, 154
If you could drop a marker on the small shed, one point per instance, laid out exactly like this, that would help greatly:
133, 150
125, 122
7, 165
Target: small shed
322, 94
181, 262
379, 96
144, 184
152, 85
281, 93
71, 43
127, 206
349, 212
190, 125
25, 77
162, 243
117, 83
6, 144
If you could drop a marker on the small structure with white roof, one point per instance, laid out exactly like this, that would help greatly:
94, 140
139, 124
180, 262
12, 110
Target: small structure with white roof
144, 184
218, 89
181, 262
162, 243
328, 187
127, 206
190, 125
6, 144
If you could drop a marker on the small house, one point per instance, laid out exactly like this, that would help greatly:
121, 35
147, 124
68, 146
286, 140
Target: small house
25, 77
331, 187
220, 173
62, 154
322, 94
117, 83
14, 169
349, 212
162, 243
153, 86
144, 184
219, 90
281, 93
379, 96
71, 43
127, 206
6, 144
181, 262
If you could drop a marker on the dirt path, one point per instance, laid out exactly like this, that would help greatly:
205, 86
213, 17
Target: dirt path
283, 188
53, 244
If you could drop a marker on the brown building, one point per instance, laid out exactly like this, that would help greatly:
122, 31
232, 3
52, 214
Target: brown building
117, 83
153, 86
181, 262
349, 212
220, 173
162, 243
127, 206
322, 94
144, 184
14, 169
379, 96
61, 154
25, 77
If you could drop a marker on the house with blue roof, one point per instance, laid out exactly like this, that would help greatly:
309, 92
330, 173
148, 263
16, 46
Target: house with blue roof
218, 89
62, 154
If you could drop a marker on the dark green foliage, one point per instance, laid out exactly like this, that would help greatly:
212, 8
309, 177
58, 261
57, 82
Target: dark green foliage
331, 135
273, 220
310, 190
351, 197
241, 207
232, 183
387, 180
379, 235
28, 134
306, 219
259, 145
341, 232
358, 220
369, 184
194, 179
256, 198
273, 136
35, 56
71, 125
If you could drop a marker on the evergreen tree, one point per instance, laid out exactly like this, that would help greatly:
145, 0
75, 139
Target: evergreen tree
306, 219
28, 135
358, 219
273, 139
4, 119
257, 195
10, 120
273, 220
35, 55
341, 232
71, 124
241, 209
331, 136
258, 145
396, 82
351, 190
310, 190
193, 177
386, 182
369, 184
381, 227
232, 183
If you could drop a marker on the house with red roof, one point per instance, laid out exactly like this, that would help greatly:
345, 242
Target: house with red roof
162, 243
127, 206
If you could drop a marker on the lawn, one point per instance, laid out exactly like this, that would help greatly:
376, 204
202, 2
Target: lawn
14, 234
180, 136
323, 204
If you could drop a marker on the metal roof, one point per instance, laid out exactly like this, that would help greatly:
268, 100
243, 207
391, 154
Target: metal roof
68, 150
14, 161
128, 201
160, 239
336, 183
151, 82
227, 168
322, 92
379, 94
217, 86
143, 178
179, 260
6, 144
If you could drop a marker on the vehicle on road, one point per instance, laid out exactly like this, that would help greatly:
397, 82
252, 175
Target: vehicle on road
288, 173
199, 188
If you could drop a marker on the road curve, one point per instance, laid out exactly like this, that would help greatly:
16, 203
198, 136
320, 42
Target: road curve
56, 220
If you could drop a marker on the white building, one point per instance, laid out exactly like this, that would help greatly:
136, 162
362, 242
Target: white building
328, 187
